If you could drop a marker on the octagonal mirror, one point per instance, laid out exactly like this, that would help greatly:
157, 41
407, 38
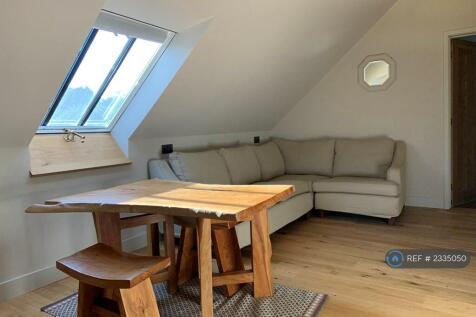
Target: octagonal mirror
377, 72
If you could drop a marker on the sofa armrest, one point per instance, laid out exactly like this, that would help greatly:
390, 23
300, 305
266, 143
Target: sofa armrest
161, 169
396, 171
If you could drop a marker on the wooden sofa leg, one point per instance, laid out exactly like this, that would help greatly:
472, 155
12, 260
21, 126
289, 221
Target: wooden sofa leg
392, 221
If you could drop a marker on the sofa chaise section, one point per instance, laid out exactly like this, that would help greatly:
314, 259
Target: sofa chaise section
372, 183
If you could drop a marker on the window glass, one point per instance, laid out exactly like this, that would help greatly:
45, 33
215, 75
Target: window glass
90, 75
115, 58
125, 80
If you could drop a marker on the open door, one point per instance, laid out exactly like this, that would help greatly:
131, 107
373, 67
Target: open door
463, 121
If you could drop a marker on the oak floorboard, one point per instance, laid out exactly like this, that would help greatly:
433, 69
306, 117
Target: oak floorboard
343, 256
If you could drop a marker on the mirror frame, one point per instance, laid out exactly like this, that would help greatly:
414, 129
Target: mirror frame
374, 58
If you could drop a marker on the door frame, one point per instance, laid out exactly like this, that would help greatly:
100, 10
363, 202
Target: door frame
447, 100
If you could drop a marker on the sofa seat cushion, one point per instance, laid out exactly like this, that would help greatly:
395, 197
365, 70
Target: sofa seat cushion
297, 177
308, 156
357, 185
270, 160
369, 157
300, 187
242, 164
201, 167
310, 179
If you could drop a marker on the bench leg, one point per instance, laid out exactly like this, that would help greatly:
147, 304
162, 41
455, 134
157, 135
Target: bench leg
228, 255
138, 301
153, 239
187, 255
87, 296
170, 251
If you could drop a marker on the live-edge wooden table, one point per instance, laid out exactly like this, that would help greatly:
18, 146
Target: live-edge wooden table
203, 202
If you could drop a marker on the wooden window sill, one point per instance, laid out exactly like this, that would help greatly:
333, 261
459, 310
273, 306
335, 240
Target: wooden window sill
51, 154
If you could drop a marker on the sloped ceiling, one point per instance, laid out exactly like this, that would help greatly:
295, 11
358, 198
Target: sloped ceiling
256, 60
40, 39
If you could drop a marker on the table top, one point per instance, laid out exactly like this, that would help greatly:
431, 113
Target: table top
227, 202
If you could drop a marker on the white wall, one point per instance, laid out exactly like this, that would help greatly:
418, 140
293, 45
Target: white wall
40, 40
150, 147
259, 59
412, 32
31, 243
43, 39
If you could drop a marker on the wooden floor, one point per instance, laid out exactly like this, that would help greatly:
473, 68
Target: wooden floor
343, 256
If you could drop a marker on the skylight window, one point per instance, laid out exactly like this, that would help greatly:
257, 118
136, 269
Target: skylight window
115, 58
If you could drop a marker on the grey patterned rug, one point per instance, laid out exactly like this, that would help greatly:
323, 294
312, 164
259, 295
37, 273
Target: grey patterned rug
286, 302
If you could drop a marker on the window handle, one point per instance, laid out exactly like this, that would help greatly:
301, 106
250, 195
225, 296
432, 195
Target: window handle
71, 134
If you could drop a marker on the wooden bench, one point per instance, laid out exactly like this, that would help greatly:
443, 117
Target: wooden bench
113, 283
226, 251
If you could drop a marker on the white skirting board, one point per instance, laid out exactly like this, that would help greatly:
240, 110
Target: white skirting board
428, 202
27, 282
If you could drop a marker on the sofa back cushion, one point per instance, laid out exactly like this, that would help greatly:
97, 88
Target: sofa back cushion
369, 157
307, 157
202, 167
270, 160
242, 164
161, 169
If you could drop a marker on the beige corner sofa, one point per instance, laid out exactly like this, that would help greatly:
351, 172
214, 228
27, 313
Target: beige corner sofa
361, 176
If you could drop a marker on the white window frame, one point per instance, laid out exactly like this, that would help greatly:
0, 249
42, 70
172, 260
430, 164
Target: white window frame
50, 129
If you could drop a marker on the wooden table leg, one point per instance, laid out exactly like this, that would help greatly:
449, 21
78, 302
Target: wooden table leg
170, 250
205, 266
261, 254
108, 231
228, 255
153, 239
108, 228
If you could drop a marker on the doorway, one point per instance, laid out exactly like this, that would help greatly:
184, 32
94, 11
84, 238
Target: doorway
463, 121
